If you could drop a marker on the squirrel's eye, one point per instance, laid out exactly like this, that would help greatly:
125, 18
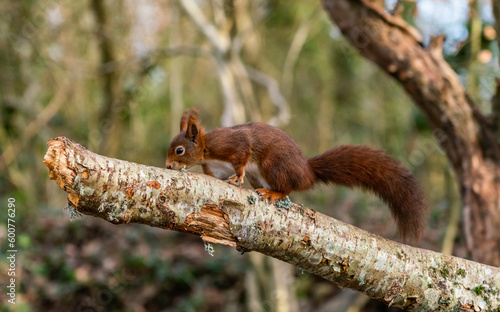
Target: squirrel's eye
179, 151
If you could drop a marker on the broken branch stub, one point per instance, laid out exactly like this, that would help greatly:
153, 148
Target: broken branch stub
122, 192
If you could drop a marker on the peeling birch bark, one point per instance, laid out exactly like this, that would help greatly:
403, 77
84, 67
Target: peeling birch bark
398, 275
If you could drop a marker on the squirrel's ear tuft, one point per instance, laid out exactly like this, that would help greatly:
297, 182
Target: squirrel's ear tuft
193, 116
190, 116
184, 120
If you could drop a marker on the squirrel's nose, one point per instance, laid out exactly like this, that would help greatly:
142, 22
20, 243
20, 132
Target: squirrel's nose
172, 165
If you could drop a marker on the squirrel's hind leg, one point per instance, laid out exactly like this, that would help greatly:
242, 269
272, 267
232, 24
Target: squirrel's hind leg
271, 195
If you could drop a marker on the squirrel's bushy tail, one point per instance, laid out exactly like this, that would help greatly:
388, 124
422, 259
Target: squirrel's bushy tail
372, 169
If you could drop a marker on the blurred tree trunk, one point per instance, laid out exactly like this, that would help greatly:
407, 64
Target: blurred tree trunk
176, 67
465, 133
110, 119
496, 99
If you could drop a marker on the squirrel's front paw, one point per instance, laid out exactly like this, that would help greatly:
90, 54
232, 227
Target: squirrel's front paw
235, 180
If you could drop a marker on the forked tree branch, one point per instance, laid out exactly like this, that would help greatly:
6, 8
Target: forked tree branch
399, 275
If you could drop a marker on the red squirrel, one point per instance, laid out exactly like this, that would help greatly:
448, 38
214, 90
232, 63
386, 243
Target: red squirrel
275, 166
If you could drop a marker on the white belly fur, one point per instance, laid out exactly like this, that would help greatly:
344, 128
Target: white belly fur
252, 170
220, 169
224, 170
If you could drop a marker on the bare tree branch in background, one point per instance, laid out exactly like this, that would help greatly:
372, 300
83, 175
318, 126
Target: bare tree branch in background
293, 53
219, 41
232, 73
396, 274
32, 129
465, 134
273, 89
234, 112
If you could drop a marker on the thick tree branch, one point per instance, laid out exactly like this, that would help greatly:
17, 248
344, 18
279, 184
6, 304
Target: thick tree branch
397, 49
399, 275
462, 130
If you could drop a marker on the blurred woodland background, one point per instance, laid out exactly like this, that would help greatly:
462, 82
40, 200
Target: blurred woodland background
116, 76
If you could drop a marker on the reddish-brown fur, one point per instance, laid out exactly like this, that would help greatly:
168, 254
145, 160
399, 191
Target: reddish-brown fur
276, 160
